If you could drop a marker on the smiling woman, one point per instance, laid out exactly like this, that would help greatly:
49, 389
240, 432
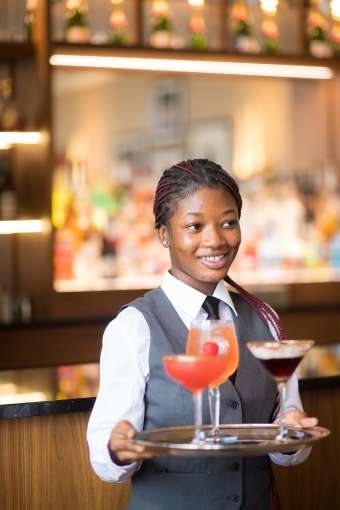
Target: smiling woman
197, 208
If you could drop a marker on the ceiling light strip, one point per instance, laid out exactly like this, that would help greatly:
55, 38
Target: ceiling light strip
23, 226
194, 66
20, 137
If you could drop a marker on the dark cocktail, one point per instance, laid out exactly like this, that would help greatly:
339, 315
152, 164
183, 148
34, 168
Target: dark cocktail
280, 359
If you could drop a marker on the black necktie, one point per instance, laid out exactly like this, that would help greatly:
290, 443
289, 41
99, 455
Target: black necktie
211, 306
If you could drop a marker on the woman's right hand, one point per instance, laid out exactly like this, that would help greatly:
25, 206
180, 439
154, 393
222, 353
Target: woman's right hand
122, 449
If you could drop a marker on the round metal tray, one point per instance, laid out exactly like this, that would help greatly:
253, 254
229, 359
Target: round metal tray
251, 439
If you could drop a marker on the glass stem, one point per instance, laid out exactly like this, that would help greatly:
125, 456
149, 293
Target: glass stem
214, 407
283, 429
197, 401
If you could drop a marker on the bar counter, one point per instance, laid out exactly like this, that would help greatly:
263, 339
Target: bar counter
44, 457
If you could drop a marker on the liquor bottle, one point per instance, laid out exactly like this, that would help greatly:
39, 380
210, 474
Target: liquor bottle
29, 19
8, 200
10, 119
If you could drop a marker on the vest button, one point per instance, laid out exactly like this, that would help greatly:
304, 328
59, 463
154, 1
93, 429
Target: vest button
235, 466
234, 404
235, 498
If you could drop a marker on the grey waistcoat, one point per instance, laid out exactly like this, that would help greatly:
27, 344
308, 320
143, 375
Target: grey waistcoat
171, 483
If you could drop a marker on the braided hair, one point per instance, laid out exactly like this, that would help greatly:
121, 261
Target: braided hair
184, 179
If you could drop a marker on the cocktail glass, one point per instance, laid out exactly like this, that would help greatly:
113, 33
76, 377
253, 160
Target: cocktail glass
195, 373
215, 337
281, 359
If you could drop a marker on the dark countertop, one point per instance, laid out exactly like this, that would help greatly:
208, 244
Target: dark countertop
71, 388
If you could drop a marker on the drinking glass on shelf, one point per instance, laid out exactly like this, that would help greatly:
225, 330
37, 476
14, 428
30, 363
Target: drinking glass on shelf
281, 359
195, 373
215, 337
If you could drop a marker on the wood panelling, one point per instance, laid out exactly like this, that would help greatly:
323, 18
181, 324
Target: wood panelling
44, 465
50, 345
319, 324
314, 485
65, 342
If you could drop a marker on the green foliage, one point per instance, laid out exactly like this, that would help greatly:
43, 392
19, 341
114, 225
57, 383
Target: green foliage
242, 28
119, 36
76, 18
161, 24
270, 45
198, 41
316, 33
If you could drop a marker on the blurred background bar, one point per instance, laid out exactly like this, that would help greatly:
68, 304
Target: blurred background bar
101, 138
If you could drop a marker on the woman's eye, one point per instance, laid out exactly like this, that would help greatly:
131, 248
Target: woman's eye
193, 227
230, 223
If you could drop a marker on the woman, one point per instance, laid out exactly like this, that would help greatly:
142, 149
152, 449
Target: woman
197, 209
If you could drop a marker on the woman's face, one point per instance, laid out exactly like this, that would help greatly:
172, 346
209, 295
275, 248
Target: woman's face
203, 238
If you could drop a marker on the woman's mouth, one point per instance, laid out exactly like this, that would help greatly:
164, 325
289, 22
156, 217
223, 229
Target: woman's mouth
214, 261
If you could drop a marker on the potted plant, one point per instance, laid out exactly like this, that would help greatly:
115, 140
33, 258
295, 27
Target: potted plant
242, 29
317, 34
76, 24
161, 25
119, 25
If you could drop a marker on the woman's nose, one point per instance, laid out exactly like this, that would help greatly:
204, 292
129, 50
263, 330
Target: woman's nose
214, 237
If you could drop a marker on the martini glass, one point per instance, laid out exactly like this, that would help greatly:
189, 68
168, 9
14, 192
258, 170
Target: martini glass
280, 359
215, 337
195, 373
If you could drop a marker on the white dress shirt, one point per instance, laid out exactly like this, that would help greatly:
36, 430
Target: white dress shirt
124, 372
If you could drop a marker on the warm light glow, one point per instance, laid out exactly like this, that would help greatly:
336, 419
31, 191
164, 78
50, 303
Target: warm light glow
24, 226
19, 398
20, 137
335, 9
269, 6
196, 3
194, 66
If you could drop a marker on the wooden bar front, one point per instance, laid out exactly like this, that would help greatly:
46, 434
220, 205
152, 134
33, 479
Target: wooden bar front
44, 464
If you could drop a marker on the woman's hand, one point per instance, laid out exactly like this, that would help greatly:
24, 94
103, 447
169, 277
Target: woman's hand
296, 418
122, 450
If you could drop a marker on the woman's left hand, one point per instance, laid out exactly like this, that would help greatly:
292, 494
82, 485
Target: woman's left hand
296, 418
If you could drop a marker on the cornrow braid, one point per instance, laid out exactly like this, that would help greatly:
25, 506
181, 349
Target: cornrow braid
185, 178
262, 309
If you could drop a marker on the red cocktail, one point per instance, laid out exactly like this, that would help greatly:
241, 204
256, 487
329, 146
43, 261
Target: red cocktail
195, 373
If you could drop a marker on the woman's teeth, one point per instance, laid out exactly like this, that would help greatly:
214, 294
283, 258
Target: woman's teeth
214, 258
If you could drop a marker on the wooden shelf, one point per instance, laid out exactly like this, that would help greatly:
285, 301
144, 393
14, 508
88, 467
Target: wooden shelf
16, 50
107, 50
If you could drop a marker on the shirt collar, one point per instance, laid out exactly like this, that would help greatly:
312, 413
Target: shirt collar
187, 300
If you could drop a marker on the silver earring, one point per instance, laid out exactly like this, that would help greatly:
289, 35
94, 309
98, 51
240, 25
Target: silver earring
165, 243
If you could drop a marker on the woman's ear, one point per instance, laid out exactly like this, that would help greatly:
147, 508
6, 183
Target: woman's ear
163, 236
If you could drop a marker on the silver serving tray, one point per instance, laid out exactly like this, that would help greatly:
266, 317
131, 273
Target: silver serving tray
251, 439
